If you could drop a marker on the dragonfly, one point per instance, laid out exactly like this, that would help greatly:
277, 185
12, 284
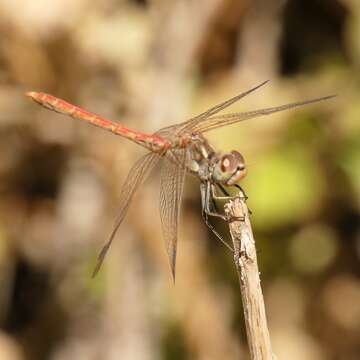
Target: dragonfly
183, 149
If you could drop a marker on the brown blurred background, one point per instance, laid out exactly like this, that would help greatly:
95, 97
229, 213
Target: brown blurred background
150, 64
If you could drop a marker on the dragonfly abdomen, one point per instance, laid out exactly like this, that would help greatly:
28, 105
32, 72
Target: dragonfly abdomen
151, 142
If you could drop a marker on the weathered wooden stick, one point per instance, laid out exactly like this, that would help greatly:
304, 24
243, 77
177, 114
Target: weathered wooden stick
247, 268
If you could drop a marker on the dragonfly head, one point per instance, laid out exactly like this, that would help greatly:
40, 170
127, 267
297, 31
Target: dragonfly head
229, 168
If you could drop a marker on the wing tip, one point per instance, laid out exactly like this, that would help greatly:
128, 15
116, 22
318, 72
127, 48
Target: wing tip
100, 260
323, 98
173, 275
172, 262
330, 97
259, 86
95, 271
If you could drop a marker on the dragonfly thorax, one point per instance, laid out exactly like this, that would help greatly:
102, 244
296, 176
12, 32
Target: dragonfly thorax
229, 168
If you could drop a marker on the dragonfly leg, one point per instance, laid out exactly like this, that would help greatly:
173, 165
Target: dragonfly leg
244, 193
223, 190
208, 194
211, 227
241, 190
227, 195
206, 198
205, 214
214, 205
213, 196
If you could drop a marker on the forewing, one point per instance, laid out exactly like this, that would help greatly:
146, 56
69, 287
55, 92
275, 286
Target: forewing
215, 122
171, 187
190, 124
135, 178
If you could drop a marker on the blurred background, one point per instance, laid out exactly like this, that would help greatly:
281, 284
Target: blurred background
150, 64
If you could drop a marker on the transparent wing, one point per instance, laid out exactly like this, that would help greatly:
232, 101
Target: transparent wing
135, 178
214, 122
171, 187
189, 124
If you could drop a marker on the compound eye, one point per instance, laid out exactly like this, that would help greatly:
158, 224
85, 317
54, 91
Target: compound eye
227, 162
229, 168
238, 156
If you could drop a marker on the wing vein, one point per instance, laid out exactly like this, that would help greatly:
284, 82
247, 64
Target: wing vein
135, 178
171, 187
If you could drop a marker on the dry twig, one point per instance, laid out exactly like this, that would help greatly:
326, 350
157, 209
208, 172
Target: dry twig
248, 272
